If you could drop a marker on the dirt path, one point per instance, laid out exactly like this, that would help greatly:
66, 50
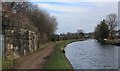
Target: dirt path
36, 60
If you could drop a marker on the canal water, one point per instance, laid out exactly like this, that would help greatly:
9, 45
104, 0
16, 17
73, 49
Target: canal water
90, 54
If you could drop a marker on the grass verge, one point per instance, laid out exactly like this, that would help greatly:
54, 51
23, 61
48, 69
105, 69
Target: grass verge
7, 63
58, 60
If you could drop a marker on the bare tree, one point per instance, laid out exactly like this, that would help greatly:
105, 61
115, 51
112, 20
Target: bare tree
44, 38
38, 17
111, 21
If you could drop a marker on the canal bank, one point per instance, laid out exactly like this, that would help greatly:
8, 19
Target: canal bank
113, 42
58, 60
49, 56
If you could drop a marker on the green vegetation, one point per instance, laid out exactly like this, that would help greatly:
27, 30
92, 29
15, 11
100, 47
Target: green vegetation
58, 59
6, 63
106, 29
44, 45
101, 31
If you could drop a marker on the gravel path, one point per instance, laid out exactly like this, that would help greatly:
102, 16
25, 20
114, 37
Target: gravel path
36, 60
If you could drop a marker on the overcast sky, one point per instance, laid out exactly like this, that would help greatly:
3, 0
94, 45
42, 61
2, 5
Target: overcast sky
73, 15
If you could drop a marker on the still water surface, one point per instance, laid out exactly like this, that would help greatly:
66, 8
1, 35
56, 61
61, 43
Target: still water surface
90, 54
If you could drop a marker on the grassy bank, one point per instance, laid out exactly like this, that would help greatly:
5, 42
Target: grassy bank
7, 63
58, 59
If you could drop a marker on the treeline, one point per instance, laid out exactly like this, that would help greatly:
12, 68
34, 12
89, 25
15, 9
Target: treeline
78, 35
45, 23
106, 28
68, 36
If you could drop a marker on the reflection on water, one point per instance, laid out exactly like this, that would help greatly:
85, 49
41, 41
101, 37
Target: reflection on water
92, 55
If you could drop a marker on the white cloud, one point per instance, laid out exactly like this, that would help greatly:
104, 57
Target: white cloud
62, 8
80, 17
104, 4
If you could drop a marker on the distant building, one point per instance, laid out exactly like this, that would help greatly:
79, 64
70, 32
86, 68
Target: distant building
79, 31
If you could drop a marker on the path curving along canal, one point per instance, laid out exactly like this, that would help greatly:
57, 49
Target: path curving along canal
90, 54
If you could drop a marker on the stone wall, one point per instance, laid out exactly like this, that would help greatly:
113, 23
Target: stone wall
19, 41
20, 37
